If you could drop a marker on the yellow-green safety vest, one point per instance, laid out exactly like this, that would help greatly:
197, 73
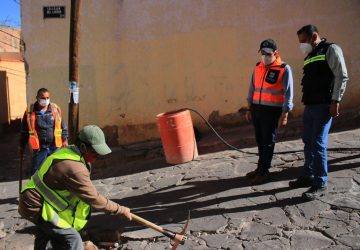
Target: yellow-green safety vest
60, 207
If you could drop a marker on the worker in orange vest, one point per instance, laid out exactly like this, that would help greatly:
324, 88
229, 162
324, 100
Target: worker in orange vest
269, 102
44, 129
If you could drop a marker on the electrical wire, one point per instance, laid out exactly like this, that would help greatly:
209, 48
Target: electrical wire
10, 34
216, 133
208, 124
246, 152
226, 143
8, 44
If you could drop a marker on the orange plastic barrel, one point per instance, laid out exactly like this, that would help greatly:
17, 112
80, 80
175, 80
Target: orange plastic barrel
177, 136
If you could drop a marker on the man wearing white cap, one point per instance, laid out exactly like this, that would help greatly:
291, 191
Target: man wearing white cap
59, 195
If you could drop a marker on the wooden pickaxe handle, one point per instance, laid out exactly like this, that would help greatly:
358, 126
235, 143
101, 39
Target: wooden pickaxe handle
146, 223
21, 171
178, 238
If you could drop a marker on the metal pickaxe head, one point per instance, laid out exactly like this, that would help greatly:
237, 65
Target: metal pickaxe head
178, 238
181, 238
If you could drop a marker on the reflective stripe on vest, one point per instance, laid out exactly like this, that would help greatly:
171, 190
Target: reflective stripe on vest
49, 196
56, 111
33, 136
269, 93
314, 59
60, 207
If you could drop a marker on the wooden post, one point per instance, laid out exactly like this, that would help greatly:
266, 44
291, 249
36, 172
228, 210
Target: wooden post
73, 70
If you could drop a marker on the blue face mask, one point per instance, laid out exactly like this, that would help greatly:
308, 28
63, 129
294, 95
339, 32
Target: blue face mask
44, 102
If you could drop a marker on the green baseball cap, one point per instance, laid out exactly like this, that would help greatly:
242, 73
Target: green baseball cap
94, 136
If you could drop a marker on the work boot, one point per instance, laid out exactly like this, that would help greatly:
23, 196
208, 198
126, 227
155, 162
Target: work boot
302, 181
88, 245
314, 193
252, 174
259, 179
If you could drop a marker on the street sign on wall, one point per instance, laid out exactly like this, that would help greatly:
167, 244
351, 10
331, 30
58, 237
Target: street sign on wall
54, 11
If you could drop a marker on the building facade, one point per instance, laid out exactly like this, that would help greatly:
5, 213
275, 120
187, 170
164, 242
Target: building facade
12, 79
9, 39
139, 58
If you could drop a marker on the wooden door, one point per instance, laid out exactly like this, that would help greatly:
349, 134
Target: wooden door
4, 101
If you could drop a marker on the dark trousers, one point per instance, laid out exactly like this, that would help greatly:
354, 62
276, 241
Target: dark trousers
265, 120
39, 156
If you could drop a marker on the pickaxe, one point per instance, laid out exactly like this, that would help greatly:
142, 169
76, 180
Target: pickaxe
21, 170
178, 238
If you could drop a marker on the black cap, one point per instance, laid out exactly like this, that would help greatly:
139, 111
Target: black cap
268, 46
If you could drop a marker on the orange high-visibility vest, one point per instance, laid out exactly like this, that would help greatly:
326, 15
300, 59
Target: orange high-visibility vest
33, 136
268, 89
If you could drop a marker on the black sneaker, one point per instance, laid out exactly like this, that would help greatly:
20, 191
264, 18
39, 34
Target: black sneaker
314, 193
252, 174
260, 179
302, 181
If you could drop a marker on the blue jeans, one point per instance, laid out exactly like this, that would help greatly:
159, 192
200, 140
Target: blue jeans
39, 156
265, 120
317, 123
66, 239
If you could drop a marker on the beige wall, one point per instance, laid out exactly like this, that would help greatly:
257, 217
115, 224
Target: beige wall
12, 80
16, 87
143, 57
9, 39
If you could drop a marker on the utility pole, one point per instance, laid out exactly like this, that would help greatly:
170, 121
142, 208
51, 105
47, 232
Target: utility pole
74, 88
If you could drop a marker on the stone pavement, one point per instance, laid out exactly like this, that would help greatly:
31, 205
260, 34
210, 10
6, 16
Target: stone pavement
226, 213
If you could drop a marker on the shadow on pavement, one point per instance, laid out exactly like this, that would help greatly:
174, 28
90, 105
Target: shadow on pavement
13, 200
11, 162
27, 230
336, 160
138, 167
174, 202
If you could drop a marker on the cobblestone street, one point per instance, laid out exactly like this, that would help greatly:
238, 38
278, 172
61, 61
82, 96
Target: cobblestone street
226, 213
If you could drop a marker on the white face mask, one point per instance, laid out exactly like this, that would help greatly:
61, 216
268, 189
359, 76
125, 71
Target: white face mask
267, 59
306, 48
44, 102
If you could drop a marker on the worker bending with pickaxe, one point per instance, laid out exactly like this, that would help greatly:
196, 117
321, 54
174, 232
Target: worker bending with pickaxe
59, 195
